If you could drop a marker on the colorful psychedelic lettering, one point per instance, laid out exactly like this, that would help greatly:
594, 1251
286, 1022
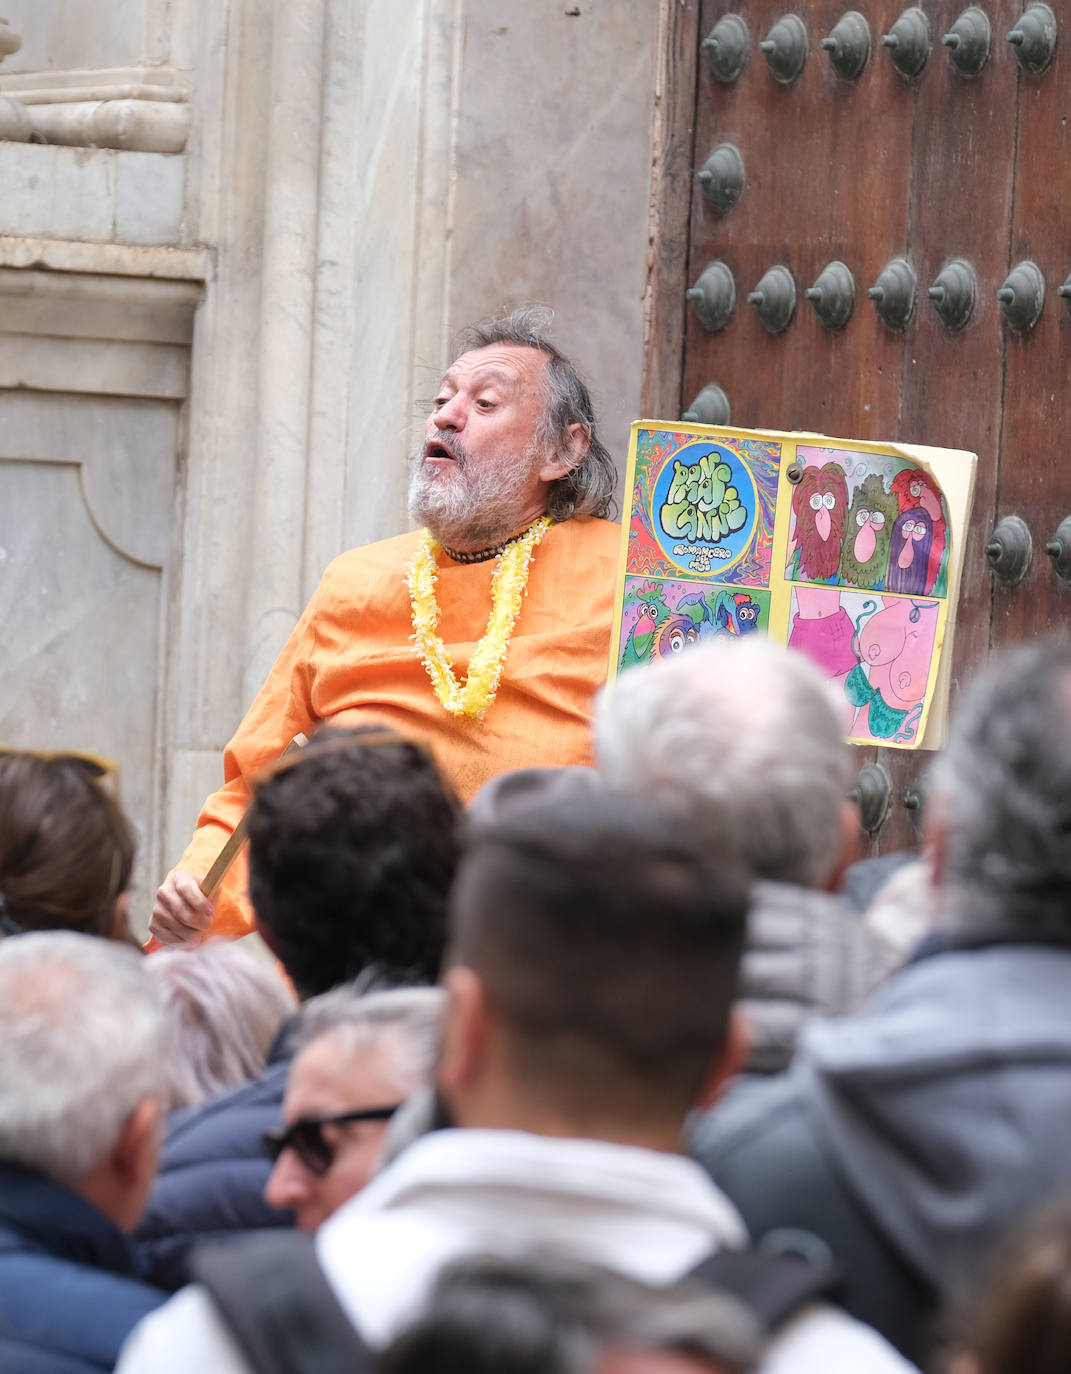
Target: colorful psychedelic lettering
701, 504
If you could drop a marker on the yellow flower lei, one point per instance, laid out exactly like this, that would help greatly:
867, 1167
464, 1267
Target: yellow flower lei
485, 669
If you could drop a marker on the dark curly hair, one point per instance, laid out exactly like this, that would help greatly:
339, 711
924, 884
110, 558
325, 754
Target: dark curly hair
352, 850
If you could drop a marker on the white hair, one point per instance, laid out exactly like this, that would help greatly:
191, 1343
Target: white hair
224, 1008
741, 741
404, 1024
82, 1032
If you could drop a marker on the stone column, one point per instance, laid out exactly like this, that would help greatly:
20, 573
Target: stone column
288, 302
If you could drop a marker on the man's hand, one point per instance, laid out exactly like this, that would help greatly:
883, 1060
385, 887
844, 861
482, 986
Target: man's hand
182, 914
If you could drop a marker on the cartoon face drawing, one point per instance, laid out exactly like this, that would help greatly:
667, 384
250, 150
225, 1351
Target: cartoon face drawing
735, 613
675, 634
820, 508
909, 552
865, 558
746, 616
916, 490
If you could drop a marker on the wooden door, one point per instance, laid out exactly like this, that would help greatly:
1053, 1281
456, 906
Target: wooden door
931, 167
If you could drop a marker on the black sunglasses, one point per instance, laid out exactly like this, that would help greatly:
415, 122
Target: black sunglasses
306, 1137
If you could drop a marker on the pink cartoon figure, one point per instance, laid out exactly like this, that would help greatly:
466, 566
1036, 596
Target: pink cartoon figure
888, 684
915, 489
823, 630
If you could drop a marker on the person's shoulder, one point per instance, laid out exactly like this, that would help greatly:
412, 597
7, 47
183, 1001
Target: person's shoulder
185, 1333
823, 1338
227, 1125
361, 575
770, 1106
350, 573
591, 534
57, 1304
212, 1173
384, 553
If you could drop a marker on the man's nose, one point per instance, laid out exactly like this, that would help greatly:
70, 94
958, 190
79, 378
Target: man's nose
452, 414
288, 1183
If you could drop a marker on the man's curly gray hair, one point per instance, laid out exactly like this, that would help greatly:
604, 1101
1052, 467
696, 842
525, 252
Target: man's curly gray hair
589, 488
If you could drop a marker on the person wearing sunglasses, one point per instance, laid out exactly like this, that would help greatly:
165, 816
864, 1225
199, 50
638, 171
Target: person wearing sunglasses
361, 1057
351, 854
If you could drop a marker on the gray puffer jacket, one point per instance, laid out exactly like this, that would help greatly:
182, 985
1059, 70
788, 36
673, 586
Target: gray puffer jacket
808, 954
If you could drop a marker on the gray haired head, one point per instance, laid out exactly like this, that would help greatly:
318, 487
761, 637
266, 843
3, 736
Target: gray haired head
83, 1038
402, 1024
740, 741
224, 1008
589, 488
1004, 786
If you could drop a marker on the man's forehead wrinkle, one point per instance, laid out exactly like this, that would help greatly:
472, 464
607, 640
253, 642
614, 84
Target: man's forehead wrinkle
510, 366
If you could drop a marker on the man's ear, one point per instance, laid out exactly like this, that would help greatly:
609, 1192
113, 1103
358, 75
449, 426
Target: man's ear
849, 845
730, 1061
135, 1154
466, 1030
570, 455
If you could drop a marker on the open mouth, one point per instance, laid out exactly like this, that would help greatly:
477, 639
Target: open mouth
436, 452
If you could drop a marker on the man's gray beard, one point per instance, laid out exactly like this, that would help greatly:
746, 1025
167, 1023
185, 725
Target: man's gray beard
468, 507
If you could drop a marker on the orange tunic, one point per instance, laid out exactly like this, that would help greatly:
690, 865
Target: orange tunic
351, 659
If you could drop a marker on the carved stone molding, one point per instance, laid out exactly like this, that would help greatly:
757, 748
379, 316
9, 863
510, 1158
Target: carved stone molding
144, 110
141, 126
81, 332
107, 259
107, 83
16, 126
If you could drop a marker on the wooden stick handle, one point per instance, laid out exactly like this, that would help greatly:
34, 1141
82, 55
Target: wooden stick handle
227, 855
223, 860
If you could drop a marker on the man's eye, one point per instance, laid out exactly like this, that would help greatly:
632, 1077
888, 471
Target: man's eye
484, 404
438, 403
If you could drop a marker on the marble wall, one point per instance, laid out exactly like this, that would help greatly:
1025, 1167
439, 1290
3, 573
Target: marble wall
302, 201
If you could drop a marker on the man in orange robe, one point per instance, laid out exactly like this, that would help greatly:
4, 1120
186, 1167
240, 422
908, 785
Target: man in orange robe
511, 438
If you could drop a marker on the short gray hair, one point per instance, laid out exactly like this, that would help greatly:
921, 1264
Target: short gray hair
83, 1041
1005, 797
406, 1023
224, 1008
740, 741
589, 488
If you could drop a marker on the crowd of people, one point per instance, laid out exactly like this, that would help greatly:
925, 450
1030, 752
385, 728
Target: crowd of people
532, 1072
622, 1065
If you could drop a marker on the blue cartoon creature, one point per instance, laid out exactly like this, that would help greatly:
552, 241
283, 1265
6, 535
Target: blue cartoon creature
735, 613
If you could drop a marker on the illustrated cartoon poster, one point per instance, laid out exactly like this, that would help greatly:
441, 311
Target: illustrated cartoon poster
850, 552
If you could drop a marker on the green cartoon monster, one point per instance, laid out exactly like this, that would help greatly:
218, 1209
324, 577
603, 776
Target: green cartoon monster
864, 557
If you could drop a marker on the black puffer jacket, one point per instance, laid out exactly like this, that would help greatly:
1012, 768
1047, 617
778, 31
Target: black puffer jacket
68, 1292
212, 1175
